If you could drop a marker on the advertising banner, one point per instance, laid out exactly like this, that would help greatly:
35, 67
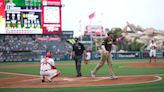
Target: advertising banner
128, 55
51, 19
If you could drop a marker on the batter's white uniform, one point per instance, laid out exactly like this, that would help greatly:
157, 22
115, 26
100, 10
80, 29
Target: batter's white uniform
46, 69
152, 47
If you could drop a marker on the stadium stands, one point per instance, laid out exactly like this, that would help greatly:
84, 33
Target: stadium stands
31, 47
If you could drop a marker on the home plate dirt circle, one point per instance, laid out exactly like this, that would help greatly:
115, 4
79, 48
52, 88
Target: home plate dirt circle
34, 81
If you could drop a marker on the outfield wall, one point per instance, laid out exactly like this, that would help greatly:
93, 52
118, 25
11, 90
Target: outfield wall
130, 55
31, 56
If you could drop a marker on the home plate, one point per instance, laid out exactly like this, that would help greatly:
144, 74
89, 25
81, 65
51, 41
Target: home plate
68, 79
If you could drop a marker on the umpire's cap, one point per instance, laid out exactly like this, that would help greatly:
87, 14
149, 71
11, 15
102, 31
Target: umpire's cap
109, 33
76, 39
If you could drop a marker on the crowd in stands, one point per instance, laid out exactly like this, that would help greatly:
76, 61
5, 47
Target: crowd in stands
31, 47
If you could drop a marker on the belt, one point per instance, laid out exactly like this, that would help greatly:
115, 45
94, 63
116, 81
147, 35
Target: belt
44, 70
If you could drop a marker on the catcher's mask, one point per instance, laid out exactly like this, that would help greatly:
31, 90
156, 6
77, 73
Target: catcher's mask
49, 54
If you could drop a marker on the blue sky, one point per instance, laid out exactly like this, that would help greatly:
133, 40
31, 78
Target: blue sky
112, 13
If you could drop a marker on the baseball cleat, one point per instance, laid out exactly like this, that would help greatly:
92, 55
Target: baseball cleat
79, 75
43, 80
49, 79
113, 77
92, 74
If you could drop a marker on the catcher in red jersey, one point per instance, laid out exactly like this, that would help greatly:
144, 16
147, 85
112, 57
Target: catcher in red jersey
47, 68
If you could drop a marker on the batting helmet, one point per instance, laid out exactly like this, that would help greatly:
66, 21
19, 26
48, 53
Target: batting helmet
109, 33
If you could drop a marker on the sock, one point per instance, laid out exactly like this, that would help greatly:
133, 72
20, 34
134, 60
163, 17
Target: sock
154, 58
150, 58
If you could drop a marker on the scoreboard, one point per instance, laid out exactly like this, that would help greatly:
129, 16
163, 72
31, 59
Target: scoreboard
30, 17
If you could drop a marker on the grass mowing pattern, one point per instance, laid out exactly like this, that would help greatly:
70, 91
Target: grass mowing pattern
69, 69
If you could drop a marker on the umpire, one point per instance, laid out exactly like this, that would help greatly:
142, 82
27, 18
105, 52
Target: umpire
78, 50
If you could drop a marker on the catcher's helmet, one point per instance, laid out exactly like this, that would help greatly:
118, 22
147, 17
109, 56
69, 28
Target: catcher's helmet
49, 54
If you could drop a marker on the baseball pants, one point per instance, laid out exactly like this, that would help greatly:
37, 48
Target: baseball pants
152, 53
78, 60
104, 57
50, 73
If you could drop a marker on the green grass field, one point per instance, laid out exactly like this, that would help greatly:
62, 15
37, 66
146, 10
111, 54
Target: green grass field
69, 70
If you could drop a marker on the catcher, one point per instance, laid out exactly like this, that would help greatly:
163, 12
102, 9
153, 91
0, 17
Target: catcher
47, 68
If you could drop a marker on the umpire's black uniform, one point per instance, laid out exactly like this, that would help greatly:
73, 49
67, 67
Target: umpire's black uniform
78, 48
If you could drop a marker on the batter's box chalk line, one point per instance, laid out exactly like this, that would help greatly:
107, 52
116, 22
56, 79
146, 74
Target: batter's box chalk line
74, 79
